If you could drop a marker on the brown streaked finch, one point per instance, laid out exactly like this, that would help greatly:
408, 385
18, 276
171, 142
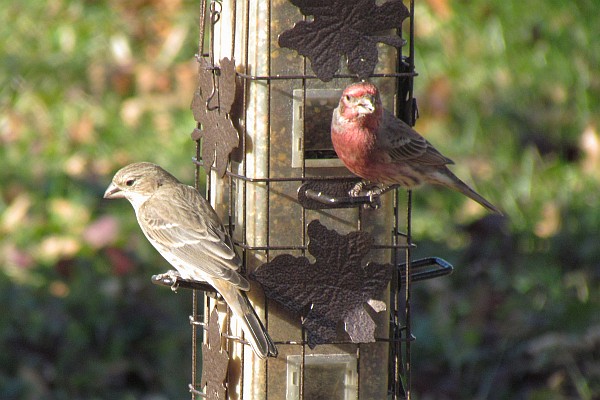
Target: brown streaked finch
188, 233
382, 149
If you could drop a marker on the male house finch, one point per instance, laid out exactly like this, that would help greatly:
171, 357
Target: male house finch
382, 149
188, 233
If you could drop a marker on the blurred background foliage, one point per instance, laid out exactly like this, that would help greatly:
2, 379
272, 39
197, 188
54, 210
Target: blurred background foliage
510, 90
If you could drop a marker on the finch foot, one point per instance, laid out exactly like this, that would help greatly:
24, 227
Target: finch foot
174, 276
355, 191
174, 280
374, 199
170, 278
360, 188
374, 192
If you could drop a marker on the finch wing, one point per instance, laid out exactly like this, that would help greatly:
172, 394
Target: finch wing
402, 143
183, 225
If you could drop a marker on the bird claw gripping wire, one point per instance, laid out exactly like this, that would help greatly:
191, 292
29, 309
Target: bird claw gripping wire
173, 280
374, 192
374, 199
355, 191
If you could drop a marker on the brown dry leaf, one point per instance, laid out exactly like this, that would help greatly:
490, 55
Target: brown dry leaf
590, 146
163, 123
172, 44
131, 112
12, 127
15, 215
104, 166
437, 97
96, 78
76, 166
146, 78
121, 80
56, 247
441, 8
71, 215
58, 289
158, 20
185, 75
550, 222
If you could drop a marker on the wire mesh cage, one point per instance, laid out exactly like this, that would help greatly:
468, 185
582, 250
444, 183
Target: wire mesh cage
270, 74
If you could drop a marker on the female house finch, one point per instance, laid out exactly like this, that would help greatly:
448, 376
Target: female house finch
188, 233
382, 149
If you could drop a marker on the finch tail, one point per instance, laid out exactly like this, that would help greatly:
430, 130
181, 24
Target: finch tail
254, 330
465, 189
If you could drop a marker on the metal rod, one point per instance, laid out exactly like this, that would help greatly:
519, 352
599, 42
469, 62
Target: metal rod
194, 341
195, 292
392, 246
340, 76
342, 342
303, 363
215, 16
420, 272
304, 235
358, 370
347, 200
268, 219
412, 116
195, 392
233, 30
198, 323
166, 280
198, 161
244, 128
407, 288
202, 27
304, 247
244, 125
394, 308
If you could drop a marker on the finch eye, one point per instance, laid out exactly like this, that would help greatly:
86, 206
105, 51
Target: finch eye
347, 98
130, 182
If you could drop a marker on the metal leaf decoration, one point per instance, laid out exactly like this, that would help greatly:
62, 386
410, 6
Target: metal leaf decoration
214, 361
211, 107
344, 27
336, 287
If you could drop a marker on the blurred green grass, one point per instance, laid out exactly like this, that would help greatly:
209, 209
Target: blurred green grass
511, 91
511, 94
86, 87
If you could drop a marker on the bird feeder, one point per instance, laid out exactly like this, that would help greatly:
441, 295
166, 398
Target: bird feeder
331, 274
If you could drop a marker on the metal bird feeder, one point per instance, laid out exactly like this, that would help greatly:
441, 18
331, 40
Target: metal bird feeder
270, 74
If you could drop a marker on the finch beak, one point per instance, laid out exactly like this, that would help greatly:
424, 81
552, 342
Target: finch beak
366, 105
113, 192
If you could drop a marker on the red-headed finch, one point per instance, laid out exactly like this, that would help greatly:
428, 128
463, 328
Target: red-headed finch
379, 147
188, 233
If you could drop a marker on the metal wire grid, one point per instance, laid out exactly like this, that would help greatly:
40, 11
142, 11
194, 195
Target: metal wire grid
400, 335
